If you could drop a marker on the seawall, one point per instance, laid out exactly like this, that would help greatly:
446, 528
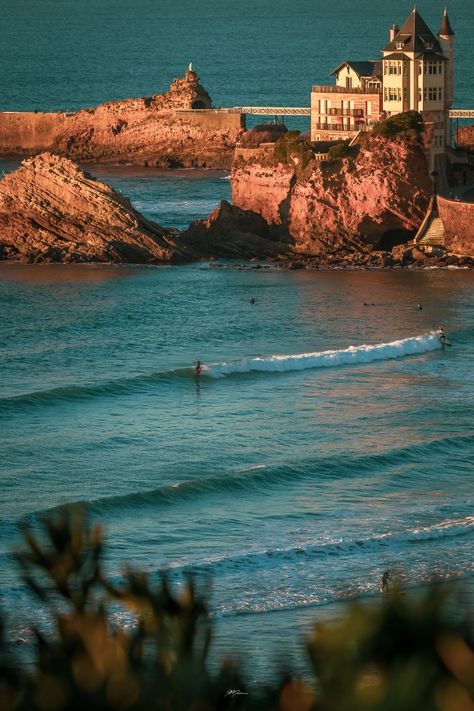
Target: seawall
458, 222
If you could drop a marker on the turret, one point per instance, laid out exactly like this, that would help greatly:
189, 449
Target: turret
446, 40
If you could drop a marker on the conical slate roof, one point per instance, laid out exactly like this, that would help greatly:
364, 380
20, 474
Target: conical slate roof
446, 30
415, 35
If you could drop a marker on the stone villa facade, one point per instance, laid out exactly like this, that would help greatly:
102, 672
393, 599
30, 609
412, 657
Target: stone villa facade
416, 72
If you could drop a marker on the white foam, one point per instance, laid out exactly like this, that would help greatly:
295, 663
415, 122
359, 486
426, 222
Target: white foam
326, 359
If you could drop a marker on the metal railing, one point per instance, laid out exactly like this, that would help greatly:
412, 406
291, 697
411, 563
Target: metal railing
334, 89
333, 111
334, 127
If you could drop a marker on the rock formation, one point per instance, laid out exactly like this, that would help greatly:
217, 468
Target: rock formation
232, 233
51, 211
372, 197
151, 130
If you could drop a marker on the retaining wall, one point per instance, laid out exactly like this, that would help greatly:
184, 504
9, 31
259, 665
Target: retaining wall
458, 222
24, 133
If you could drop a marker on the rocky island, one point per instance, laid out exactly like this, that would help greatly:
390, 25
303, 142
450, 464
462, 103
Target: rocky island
164, 130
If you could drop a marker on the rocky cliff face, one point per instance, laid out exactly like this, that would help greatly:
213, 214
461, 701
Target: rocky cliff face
372, 198
147, 130
51, 211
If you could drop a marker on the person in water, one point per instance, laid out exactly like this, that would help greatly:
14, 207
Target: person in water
419, 307
442, 338
198, 368
386, 579
252, 300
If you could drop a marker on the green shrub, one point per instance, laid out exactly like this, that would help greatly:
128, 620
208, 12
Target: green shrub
408, 121
340, 150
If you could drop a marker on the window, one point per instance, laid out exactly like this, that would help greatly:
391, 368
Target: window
392, 93
348, 82
400, 45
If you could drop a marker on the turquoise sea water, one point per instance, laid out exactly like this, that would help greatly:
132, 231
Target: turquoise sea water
290, 489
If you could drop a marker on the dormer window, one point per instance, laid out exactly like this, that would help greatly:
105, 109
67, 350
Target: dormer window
400, 45
429, 45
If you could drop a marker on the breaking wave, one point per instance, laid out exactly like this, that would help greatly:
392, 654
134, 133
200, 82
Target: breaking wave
268, 364
327, 359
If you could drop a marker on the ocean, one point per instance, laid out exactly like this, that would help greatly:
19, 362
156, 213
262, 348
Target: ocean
326, 441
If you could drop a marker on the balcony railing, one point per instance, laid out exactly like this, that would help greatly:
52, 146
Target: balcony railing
344, 112
333, 127
334, 89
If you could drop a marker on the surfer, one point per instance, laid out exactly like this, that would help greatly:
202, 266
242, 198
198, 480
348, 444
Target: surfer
386, 579
442, 338
251, 300
198, 368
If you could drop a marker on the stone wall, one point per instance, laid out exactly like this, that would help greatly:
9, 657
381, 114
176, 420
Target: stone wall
24, 133
458, 222
213, 119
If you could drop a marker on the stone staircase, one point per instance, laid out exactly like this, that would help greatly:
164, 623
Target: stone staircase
434, 233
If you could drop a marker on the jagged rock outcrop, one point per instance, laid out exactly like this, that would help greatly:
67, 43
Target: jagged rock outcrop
230, 232
370, 199
51, 211
147, 130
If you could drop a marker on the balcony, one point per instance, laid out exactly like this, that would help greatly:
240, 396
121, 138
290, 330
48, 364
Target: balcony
345, 112
334, 89
333, 127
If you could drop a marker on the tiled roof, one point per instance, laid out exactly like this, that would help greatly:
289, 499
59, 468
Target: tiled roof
415, 35
362, 69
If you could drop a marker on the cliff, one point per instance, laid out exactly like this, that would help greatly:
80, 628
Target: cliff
368, 197
51, 211
161, 130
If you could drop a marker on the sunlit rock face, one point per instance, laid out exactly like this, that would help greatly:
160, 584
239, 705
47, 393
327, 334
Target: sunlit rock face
372, 198
51, 211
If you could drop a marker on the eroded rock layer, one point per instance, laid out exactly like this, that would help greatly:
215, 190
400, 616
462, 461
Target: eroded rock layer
51, 211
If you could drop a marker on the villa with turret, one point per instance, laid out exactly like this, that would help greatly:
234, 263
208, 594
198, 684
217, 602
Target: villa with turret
416, 72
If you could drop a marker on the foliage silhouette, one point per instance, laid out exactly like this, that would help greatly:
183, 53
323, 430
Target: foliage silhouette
396, 654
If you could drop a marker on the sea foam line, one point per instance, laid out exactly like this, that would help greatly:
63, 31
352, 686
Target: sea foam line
269, 364
301, 555
326, 359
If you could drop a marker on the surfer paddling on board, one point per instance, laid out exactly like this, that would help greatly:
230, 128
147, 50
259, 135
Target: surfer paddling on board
197, 368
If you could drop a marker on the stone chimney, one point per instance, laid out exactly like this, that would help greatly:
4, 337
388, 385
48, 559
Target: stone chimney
393, 32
